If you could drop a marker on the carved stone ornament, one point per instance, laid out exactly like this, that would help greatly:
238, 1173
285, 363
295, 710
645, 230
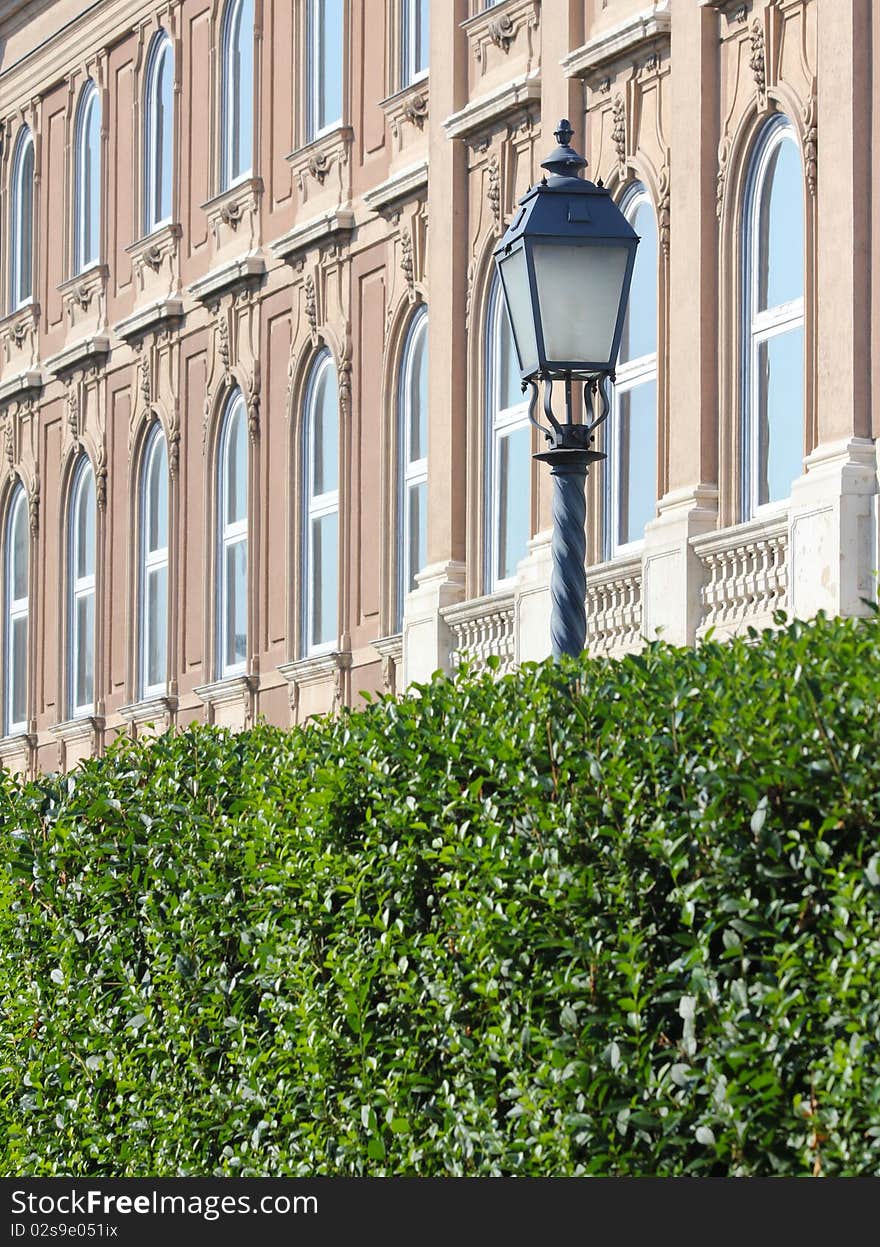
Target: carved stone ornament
9, 449
173, 453
223, 341
721, 178
152, 257
101, 479
757, 60
73, 412
311, 299
502, 31
231, 214
83, 295
493, 191
663, 211
319, 166
19, 332
34, 507
253, 404
344, 379
146, 383
406, 261
416, 109
811, 145
618, 128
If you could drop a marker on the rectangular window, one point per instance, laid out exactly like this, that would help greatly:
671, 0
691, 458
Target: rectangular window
636, 459
414, 40
324, 562
779, 377
513, 460
325, 42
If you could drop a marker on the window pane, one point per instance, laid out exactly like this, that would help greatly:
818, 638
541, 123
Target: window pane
640, 326
637, 460
157, 497
513, 500
164, 122
781, 223
92, 182
417, 554
157, 626
84, 657
325, 433
418, 397
781, 413
330, 55
236, 604
423, 35
509, 385
85, 527
18, 672
236, 466
19, 549
23, 258
325, 562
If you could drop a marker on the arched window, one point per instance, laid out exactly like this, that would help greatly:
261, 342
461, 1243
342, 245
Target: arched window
232, 527
81, 558
414, 39
87, 180
158, 133
633, 425
321, 510
773, 286
153, 636
237, 93
15, 615
22, 232
508, 458
324, 41
412, 440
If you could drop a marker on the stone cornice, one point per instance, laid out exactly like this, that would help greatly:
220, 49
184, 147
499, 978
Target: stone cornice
317, 230
148, 317
404, 184
82, 352
316, 668
652, 25
234, 273
486, 111
21, 383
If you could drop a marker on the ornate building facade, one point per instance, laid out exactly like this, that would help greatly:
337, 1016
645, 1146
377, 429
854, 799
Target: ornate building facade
264, 445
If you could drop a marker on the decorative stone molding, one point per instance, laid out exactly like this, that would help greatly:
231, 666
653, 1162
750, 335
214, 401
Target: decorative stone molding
233, 214
642, 35
241, 272
324, 166
155, 256
504, 26
746, 575
390, 650
84, 298
150, 710
16, 753
85, 352
230, 701
78, 739
408, 183
757, 58
481, 627
406, 112
19, 337
318, 669
329, 228
493, 189
20, 384
811, 142
486, 111
614, 607
158, 315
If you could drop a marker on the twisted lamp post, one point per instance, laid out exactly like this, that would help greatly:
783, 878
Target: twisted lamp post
566, 264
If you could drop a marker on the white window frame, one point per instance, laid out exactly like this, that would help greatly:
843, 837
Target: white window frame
411, 36
316, 507
230, 534
628, 377
22, 203
412, 473
316, 53
500, 422
16, 609
151, 561
759, 327
89, 100
81, 587
160, 61
230, 93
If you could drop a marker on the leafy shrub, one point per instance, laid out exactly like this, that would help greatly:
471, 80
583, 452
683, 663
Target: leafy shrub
596, 918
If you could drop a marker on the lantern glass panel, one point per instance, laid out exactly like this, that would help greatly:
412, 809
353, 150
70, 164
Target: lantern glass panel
579, 292
518, 297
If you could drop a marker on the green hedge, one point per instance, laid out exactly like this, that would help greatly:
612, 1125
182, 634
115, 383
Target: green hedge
604, 918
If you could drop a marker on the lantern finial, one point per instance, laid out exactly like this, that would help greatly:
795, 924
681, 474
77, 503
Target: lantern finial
564, 162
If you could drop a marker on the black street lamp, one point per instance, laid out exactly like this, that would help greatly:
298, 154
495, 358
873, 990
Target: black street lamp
566, 264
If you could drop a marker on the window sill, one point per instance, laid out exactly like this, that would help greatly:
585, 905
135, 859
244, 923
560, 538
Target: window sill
153, 708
